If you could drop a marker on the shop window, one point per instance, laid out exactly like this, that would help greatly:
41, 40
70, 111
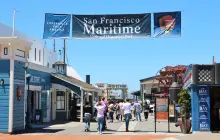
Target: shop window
60, 100
5, 51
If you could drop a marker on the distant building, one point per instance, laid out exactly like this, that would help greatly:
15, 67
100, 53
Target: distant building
146, 86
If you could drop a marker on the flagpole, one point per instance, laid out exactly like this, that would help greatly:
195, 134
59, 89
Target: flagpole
13, 22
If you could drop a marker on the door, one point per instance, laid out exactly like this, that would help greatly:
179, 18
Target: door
215, 108
45, 105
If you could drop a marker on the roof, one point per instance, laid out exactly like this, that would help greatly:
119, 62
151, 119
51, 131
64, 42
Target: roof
146, 79
70, 71
75, 81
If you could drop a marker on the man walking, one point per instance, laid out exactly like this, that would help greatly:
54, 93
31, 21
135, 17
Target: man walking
137, 108
127, 113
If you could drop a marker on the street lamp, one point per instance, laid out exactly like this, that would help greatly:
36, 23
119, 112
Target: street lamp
28, 113
173, 91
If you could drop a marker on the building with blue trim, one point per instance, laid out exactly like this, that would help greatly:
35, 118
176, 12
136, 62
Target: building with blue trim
203, 83
21, 55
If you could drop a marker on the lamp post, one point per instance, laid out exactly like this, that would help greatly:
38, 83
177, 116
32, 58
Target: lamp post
173, 91
28, 113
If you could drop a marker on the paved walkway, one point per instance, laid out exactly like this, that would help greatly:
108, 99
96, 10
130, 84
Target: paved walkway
116, 128
138, 130
71, 137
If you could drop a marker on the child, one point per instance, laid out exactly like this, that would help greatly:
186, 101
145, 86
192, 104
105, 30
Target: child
87, 117
87, 121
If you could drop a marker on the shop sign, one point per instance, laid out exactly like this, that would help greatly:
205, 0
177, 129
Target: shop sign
100, 85
115, 86
37, 80
204, 123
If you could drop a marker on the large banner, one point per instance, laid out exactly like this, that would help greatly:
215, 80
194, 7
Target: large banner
111, 26
204, 109
56, 26
167, 24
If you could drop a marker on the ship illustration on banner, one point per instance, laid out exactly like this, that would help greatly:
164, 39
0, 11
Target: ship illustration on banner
167, 24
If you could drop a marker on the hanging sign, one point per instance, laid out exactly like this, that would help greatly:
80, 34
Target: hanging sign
111, 26
56, 26
167, 24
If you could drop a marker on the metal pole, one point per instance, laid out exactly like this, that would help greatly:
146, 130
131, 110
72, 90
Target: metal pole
54, 45
64, 52
28, 115
13, 23
168, 114
155, 116
81, 106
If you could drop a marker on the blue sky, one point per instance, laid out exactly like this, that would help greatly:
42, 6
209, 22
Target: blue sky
126, 61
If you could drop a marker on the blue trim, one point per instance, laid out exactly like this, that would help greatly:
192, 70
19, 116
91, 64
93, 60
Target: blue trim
197, 101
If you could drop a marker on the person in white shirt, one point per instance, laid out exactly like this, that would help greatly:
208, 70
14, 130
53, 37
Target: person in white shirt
121, 110
127, 113
100, 106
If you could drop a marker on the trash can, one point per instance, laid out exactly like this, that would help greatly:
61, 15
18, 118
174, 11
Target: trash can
38, 116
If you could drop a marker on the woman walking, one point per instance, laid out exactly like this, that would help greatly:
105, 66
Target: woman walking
100, 106
111, 111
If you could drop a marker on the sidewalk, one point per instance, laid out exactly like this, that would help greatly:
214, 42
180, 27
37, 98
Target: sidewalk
71, 137
196, 136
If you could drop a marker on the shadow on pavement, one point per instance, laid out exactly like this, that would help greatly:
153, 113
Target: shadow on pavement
42, 130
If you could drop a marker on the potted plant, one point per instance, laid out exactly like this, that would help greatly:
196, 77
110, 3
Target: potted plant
184, 100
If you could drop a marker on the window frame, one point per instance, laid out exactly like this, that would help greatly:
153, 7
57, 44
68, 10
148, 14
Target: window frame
64, 101
6, 51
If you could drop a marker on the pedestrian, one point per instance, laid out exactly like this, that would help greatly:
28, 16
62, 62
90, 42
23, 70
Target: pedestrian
137, 108
105, 113
121, 115
87, 117
127, 113
132, 112
111, 111
101, 107
146, 110
117, 110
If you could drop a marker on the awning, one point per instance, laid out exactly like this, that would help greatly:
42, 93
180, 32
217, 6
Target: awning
15, 41
136, 93
73, 83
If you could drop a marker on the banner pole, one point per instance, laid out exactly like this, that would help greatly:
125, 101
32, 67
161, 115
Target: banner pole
155, 123
64, 52
54, 45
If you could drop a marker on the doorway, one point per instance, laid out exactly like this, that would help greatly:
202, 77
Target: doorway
215, 108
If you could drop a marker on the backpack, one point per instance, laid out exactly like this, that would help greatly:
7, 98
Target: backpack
116, 108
